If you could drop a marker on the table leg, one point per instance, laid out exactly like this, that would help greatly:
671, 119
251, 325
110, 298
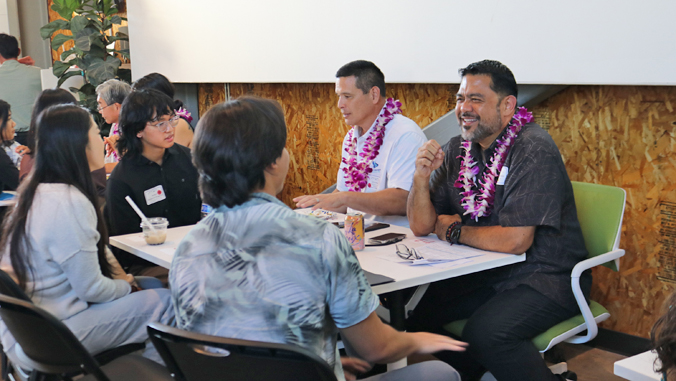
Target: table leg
397, 310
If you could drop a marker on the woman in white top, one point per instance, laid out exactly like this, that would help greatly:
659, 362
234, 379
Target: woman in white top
55, 243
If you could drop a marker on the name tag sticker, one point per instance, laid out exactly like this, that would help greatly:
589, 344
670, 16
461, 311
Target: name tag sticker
155, 194
503, 176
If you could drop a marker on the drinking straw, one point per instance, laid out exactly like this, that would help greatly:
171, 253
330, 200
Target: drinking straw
140, 214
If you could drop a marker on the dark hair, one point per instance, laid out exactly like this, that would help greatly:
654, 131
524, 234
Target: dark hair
235, 142
139, 108
9, 46
502, 79
63, 136
4, 117
366, 73
47, 98
663, 336
160, 83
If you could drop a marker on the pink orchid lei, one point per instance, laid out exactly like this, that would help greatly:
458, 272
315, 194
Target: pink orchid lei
479, 203
185, 114
357, 170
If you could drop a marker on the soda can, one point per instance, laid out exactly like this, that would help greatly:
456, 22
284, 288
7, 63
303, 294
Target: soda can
354, 230
206, 209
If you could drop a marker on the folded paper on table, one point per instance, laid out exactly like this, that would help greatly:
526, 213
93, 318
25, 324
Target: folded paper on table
444, 251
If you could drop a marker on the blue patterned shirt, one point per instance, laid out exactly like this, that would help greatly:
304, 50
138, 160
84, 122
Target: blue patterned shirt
260, 271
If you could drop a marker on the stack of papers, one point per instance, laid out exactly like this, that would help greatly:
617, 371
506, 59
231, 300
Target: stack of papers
437, 253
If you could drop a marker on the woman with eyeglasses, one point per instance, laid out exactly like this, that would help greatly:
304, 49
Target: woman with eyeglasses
157, 174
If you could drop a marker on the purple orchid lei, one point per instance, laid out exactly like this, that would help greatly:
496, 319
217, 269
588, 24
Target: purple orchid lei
356, 169
479, 203
185, 114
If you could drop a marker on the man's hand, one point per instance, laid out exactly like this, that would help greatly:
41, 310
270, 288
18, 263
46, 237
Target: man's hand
353, 366
22, 150
431, 343
331, 201
26, 61
430, 157
442, 224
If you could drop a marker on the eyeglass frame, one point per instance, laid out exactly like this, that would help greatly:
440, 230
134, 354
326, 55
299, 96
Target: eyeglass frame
99, 108
172, 122
410, 255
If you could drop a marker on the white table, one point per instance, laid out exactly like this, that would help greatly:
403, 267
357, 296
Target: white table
638, 368
370, 258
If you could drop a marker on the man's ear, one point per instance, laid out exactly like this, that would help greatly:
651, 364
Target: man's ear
509, 104
375, 94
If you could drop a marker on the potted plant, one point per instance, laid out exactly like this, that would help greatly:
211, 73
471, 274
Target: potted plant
90, 23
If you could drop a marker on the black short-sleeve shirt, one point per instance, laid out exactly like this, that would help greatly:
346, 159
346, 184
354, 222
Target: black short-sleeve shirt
536, 192
133, 176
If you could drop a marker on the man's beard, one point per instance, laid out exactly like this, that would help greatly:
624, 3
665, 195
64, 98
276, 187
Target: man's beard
483, 129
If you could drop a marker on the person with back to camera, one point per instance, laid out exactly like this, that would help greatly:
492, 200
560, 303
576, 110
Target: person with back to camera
157, 174
663, 339
184, 130
54, 243
20, 83
254, 269
109, 96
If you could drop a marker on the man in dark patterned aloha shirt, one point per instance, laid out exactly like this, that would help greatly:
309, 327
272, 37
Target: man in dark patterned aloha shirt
533, 211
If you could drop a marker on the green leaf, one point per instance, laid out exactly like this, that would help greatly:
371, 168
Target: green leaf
52, 27
100, 71
68, 75
85, 37
78, 24
88, 89
60, 67
117, 20
66, 8
94, 19
59, 40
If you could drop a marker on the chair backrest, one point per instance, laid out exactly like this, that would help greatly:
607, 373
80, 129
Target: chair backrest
192, 356
47, 345
9, 287
600, 209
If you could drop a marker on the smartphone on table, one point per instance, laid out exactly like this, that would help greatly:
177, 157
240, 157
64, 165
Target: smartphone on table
385, 239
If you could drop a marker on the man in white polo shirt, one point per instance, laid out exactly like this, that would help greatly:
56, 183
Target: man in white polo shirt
378, 153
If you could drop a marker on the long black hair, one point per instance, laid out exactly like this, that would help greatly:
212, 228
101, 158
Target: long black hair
4, 118
49, 97
62, 139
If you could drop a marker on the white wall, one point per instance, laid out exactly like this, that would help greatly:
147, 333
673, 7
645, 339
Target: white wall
4, 17
422, 41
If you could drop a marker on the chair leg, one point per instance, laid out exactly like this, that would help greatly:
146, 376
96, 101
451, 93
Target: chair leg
5, 366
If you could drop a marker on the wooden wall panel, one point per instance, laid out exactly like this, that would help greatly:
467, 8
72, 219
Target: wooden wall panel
625, 136
615, 135
316, 128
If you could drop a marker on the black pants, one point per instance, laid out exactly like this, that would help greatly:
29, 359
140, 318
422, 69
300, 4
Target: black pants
499, 329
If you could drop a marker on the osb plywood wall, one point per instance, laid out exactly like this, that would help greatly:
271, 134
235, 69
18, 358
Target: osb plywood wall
625, 136
316, 128
614, 135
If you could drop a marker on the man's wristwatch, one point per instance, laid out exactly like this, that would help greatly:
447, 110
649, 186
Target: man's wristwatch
453, 232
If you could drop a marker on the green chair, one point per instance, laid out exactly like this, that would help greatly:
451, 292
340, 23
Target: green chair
599, 209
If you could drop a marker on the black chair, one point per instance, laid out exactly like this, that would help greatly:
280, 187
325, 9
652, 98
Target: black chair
193, 356
48, 347
9, 287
